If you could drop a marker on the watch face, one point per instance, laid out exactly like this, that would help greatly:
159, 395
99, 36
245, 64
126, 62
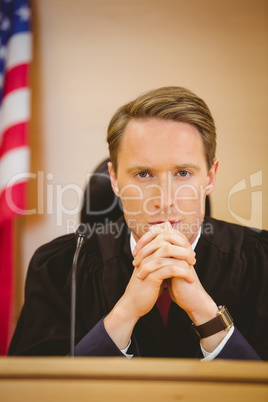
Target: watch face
226, 317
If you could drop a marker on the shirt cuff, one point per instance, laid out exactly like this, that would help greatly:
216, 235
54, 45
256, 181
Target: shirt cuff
124, 351
210, 356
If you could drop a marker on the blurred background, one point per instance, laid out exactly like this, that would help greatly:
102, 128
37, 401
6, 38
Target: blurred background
92, 56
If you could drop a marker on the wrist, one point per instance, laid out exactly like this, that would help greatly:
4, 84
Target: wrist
206, 312
119, 325
213, 341
122, 314
212, 332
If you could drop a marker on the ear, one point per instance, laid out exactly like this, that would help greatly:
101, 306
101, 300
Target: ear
212, 176
114, 182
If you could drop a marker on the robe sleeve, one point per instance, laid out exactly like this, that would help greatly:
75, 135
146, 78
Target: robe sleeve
252, 300
250, 340
237, 348
42, 327
97, 342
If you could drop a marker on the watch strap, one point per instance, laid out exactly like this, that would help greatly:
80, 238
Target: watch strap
222, 321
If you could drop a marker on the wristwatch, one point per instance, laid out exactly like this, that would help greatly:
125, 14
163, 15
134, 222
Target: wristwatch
222, 321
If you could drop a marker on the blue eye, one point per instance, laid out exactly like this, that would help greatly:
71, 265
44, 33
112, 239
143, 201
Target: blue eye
183, 173
143, 175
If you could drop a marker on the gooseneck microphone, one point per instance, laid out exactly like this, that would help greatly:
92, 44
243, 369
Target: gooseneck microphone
82, 234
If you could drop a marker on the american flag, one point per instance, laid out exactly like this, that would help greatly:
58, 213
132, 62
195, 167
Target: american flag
15, 57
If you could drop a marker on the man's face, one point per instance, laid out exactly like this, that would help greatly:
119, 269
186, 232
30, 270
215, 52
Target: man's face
162, 176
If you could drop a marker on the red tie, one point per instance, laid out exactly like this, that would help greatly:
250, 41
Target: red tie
163, 304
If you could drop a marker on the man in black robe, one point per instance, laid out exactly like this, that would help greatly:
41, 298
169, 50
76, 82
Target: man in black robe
185, 268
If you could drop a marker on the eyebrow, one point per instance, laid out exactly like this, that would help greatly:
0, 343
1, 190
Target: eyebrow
182, 166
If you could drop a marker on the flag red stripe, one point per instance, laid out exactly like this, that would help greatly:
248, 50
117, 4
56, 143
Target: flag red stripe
14, 137
15, 108
12, 202
16, 78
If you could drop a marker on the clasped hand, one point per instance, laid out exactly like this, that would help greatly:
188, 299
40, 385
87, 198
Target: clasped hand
162, 255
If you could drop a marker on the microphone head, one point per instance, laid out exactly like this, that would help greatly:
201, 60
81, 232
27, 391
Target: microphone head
84, 231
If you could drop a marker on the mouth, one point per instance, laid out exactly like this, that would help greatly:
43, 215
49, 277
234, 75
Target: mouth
173, 223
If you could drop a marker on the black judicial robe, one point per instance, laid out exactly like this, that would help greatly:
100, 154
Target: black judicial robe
232, 265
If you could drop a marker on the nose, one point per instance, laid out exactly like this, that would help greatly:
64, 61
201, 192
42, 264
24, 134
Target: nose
164, 195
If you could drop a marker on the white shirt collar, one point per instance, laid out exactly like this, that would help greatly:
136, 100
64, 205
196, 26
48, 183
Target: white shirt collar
197, 238
133, 241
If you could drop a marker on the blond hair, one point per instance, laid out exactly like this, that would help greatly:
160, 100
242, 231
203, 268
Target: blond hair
169, 103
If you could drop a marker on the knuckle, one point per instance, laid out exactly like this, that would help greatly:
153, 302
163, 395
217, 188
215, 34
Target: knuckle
158, 262
167, 249
145, 270
190, 253
173, 269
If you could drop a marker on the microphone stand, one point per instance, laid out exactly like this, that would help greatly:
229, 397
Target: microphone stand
81, 234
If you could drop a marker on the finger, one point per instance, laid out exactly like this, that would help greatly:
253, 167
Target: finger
169, 271
162, 231
164, 238
160, 241
166, 250
152, 233
164, 268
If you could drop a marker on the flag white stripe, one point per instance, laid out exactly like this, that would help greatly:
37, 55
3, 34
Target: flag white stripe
14, 166
19, 49
15, 109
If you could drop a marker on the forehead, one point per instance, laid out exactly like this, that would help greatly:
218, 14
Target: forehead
160, 141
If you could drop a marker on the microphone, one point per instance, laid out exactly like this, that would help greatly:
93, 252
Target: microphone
82, 234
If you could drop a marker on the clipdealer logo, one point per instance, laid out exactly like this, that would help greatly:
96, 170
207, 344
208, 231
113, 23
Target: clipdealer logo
52, 198
66, 200
255, 180
60, 200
